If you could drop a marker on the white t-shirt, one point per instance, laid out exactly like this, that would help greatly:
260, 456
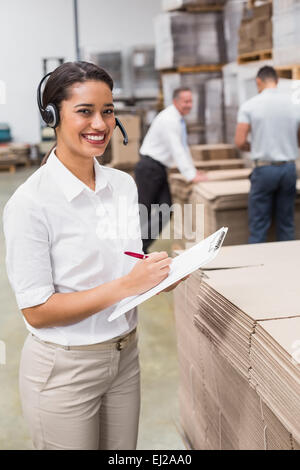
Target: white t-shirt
274, 121
63, 237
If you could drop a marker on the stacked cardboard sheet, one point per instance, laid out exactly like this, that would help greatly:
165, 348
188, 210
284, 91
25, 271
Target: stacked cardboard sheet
188, 219
187, 39
213, 152
237, 348
286, 35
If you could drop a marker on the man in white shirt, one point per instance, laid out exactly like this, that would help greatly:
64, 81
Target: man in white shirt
273, 120
165, 146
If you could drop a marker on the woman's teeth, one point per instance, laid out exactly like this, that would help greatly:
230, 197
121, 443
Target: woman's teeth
96, 138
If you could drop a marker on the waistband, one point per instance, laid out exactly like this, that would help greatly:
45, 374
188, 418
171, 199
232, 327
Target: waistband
119, 343
146, 157
273, 163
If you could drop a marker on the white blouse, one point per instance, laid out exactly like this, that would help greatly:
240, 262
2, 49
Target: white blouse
63, 237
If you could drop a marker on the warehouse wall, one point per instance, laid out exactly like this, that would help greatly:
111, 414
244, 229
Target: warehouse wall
34, 29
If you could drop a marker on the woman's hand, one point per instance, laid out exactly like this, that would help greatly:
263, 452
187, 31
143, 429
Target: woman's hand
148, 273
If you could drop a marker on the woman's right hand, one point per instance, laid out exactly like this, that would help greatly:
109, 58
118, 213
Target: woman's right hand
148, 272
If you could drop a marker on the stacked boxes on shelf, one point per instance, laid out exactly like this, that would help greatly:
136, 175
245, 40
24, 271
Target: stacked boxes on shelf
256, 29
145, 77
188, 39
286, 34
233, 12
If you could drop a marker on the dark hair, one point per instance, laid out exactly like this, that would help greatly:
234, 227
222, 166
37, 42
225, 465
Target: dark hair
177, 91
267, 73
57, 88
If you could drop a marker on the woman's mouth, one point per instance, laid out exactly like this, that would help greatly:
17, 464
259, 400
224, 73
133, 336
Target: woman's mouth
94, 139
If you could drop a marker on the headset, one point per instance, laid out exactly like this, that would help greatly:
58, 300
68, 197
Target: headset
50, 114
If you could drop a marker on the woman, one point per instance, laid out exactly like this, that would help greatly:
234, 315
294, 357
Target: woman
79, 373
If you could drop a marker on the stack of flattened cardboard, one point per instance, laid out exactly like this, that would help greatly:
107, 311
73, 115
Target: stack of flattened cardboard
225, 204
213, 152
238, 349
256, 29
187, 228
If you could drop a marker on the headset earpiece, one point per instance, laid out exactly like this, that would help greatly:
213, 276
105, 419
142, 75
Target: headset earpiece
51, 114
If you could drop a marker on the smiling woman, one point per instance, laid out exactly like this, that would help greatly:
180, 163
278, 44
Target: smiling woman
79, 373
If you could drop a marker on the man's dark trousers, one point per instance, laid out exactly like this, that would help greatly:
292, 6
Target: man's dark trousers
273, 191
153, 188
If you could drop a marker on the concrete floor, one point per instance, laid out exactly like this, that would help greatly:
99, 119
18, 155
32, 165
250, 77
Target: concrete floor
158, 357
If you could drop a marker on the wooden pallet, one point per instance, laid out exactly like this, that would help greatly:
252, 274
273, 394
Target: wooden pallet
266, 54
289, 71
11, 167
205, 68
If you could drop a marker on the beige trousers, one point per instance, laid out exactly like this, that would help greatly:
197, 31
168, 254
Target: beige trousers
81, 399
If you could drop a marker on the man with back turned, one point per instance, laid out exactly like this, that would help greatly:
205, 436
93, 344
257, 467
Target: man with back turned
165, 145
274, 122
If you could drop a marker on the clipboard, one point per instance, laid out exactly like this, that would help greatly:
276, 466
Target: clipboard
182, 265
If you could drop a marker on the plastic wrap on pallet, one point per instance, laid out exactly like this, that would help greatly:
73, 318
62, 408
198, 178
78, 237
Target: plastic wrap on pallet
145, 77
231, 101
214, 117
188, 39
168, 5
233, 12
286, 33
112, 62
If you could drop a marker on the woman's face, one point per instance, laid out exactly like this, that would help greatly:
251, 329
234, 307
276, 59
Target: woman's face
87, 119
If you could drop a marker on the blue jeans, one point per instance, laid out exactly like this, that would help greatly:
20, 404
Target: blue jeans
273, 191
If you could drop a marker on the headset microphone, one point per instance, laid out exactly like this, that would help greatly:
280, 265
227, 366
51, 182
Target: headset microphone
122, 129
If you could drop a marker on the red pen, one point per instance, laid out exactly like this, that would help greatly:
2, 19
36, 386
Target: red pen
135, 255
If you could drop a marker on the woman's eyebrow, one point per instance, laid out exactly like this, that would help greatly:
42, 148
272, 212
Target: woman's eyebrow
91, 105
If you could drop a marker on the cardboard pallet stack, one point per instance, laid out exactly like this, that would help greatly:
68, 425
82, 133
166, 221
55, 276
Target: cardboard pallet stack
13, 154
237, 337
221, 164
286, 35
255, 33
188, 39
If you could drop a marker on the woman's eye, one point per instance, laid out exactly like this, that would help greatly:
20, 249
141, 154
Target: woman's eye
84, 111
109, 111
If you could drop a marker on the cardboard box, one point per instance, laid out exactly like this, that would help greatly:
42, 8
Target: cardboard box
213, 152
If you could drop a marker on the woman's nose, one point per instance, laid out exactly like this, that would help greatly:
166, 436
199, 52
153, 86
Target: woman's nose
98, 122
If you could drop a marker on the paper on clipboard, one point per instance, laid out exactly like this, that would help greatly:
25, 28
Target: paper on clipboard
182, 265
